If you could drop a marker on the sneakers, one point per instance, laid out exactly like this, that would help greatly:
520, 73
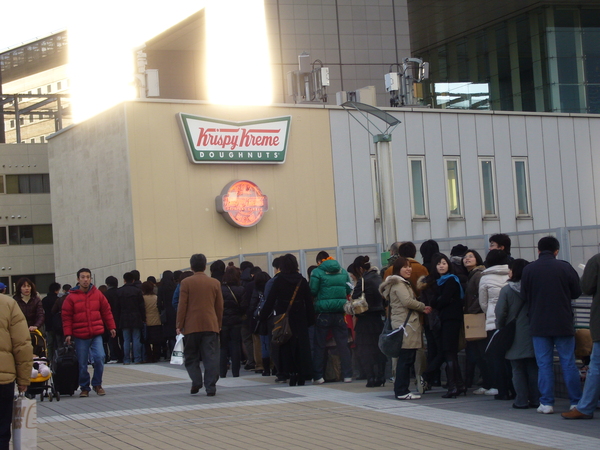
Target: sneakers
479, 391
346, 380
112, 361
321, 381
491, 391
408, 396
98, 390
574, 413
83, 394
545, 409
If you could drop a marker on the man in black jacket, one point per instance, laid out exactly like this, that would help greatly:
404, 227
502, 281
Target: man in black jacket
114, 343
548, 285
131, 312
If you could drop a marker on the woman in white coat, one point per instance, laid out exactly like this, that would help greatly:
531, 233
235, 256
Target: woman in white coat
494, 278
396, 289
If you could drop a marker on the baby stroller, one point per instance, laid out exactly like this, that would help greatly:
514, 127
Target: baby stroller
41, 375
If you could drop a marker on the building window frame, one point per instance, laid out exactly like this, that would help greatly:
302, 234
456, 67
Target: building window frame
487, 187
3, 235
522, 189
418, 200
2, 184
453, 181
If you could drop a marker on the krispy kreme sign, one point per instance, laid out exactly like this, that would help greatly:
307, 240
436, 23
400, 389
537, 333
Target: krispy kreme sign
215, 141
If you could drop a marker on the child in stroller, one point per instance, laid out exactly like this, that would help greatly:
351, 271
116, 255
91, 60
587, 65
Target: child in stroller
41, 375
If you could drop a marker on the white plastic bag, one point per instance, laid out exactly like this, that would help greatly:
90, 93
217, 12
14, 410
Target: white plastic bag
177, 355
24, 425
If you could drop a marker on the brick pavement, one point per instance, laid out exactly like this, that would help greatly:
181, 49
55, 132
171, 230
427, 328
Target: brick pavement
149, 407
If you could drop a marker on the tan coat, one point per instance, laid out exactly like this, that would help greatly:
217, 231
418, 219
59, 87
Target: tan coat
200, 304
16, 352
402, 298
152, 313
418, 271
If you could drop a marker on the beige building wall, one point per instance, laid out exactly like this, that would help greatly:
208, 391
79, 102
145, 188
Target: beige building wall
174, 210
91, 198
132, 199
25, 209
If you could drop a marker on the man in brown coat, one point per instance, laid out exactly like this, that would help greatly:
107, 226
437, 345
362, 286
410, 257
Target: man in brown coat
199, 318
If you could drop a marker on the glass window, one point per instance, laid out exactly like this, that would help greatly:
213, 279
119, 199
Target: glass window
488, 186
418, 187
30, 234
1, 184
453, 187
3, 240
521, 187
28, 184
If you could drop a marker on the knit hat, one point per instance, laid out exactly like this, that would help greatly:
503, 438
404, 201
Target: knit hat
459, 250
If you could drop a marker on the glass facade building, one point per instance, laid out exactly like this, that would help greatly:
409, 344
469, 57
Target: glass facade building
546, 59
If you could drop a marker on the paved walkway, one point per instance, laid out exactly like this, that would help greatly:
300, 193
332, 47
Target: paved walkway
149, 407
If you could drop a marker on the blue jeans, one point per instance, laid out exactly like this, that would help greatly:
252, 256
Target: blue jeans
336, 323
90, 349
543, 347
129, 335
591, 389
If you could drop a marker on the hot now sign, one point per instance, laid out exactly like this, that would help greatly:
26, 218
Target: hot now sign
261, 141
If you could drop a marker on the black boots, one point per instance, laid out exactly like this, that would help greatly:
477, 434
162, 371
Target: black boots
456, 386
266, 367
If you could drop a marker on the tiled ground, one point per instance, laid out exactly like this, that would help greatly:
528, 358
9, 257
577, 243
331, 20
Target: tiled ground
149, 407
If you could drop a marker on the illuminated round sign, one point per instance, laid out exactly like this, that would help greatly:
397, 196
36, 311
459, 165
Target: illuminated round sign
242, 203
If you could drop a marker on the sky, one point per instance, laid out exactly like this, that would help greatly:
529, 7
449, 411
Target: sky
103, 36
16, 30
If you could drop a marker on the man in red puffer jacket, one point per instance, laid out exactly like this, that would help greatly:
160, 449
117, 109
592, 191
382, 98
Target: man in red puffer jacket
85, 315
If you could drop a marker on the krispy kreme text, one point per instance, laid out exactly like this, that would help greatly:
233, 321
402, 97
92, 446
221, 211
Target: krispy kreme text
217, 141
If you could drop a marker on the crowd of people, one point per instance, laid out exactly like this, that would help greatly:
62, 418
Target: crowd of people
327, 327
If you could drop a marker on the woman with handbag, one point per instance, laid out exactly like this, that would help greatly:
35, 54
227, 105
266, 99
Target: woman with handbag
475, 350
290, 296
233, 317
369, 324
511, 306
260, 327
404, 310
448, 302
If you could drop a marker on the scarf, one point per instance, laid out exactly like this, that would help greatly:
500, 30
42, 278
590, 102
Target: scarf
441, 280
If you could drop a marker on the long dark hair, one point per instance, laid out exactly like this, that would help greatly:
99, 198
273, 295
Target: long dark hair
167, 280
435, 259
20, 283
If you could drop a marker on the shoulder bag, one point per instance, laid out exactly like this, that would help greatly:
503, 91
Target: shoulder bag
503, 339
282, 332
390, 339
358, 305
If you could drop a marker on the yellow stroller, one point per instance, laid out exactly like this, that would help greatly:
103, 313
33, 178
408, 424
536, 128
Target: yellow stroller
41, 374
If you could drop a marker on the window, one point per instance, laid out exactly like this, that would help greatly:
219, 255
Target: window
3, 240
487, 180
1, 184
453, 188
521, 178
28, 184
59, 86
49, 88
418, 187
29, 234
